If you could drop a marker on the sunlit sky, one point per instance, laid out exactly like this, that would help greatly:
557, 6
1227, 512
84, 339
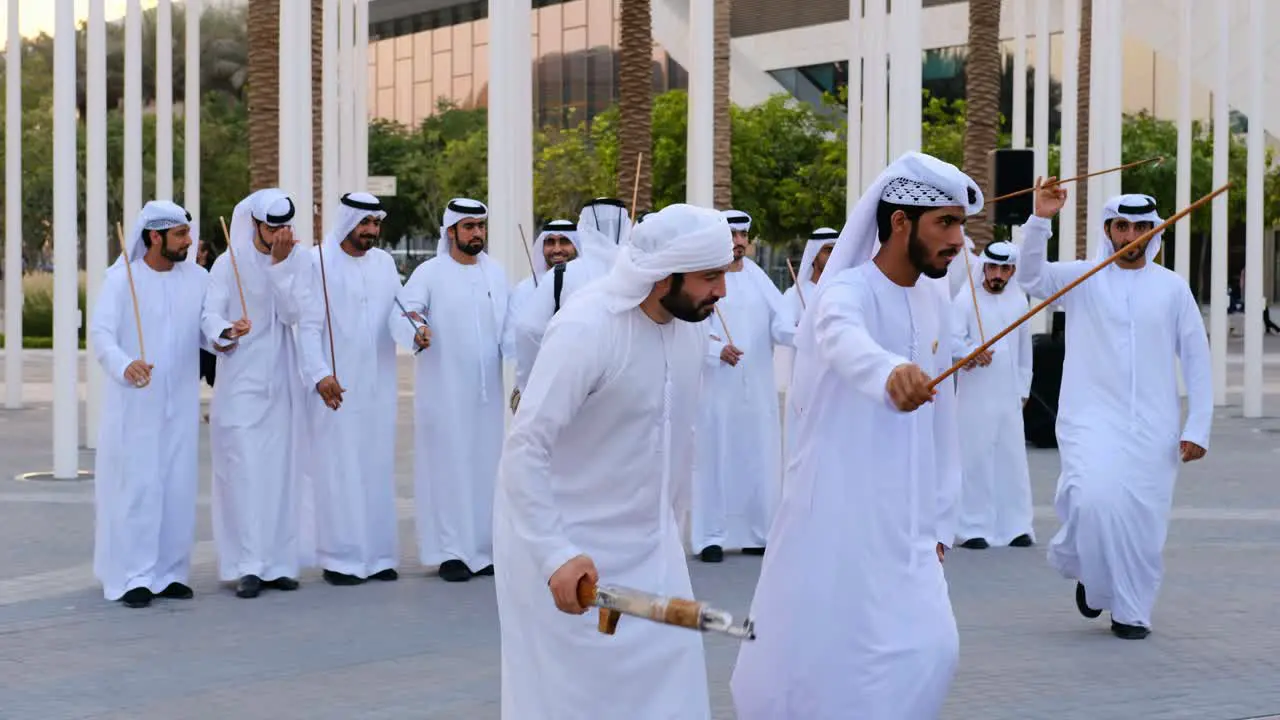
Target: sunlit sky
36, 16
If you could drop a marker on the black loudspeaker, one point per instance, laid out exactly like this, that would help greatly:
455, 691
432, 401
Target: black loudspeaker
1040, 416
1011, 171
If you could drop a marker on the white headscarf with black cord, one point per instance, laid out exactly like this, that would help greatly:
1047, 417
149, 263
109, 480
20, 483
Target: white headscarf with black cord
456, 211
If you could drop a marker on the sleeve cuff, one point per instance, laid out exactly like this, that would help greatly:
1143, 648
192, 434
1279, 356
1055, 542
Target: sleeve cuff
1035, 222
558, 558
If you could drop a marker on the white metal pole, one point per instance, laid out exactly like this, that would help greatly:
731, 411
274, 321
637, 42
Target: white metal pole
1067, 240
1115, 98
362, 93
1019, 121
875, 92
913, 79
132, 112
66, 310
700, 152
895, 24
305, 222
191, 119
1182, 191
95, 196
510, 165
853, 132
329, 180
164, 100
1040, 130
1218, 260
347, 96
1254, 295
288, 104
13, 213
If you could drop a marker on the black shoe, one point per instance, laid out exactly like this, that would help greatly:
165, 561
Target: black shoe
138, 597
753, 551
1129, 632
1082, 604
975, 544
287, 584
712, 554
487, 570
1023, 540
337, 578
177, 591
388, 575
249, 587
454, 571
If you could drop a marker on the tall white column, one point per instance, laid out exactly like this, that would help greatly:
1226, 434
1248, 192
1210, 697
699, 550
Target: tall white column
1104, 112
510, 132
853, 132
304, 178
1182, 190
1218, 259
66, 310
913, 78
1067, 240
905, 75
191, 120
1019, 120
329, 179
1254, 294
13, 213
1040, 130
362, 92
164, 100
132, 112
700, 150
347, 96
96, 231
875, 105
286, 122
1112, 183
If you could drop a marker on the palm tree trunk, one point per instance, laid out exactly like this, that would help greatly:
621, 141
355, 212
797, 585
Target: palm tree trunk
635, 99
264, 93
1082, 131
982, 91
723, 133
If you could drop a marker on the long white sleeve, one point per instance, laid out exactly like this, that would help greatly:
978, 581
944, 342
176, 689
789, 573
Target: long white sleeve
1197, 371
105, 326
1025, 360
415, 296
213, 317
843, 341
962, 341
946, 438
313, 354
566, 370
289, 286
1036, 275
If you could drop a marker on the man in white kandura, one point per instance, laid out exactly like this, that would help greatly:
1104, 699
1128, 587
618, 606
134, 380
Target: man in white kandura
554, 247
147, 466
349, 517
995, 492
852, 608
737, 469
459, 301
594, 473
257, 422
812, 262
603, 225
1120, 430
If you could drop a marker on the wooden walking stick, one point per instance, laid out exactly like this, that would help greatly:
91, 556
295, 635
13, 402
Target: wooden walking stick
524, 241
794, 281
1118, 168
244, 309
727, 336
1070, 286
328, 320
635, 189
973, 290
133, 292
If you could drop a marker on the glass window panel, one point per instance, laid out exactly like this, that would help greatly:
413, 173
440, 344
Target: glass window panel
422, 56
462, 48
462, 91
386, 63
599, 80
404, 47
404, 91
575, 14
442, 73
549, 29
575, 65
480, 75
424, 104
600, 23
442, 39
385, 106
480, 31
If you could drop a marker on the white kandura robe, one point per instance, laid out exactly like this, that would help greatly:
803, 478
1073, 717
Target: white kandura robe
597, 462
1120, 419
528, 320
851, 609
257, 419
784, 355
737, 474
350, 467
458, 405
995, 494
146, 469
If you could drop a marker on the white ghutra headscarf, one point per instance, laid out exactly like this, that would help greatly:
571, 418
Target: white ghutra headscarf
155, 215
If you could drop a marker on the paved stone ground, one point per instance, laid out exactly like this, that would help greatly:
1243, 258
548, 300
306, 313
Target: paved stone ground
420, 648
